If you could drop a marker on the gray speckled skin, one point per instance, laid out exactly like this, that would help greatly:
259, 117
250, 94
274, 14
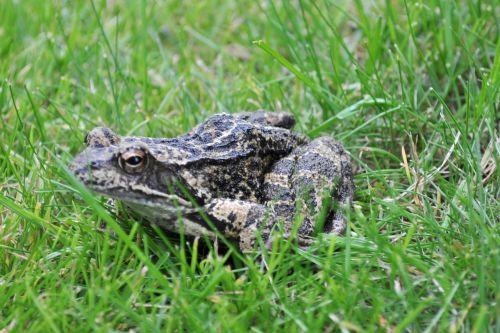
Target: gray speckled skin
245, 171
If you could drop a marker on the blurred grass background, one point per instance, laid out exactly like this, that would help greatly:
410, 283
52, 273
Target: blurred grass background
411, 88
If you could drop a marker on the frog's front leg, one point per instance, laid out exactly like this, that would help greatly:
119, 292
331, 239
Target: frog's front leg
244, 220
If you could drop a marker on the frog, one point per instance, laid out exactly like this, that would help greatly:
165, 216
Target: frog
246, 176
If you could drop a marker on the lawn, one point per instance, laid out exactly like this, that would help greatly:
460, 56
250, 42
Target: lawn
411, 89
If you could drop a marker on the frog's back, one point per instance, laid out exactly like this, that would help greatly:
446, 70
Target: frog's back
233, 157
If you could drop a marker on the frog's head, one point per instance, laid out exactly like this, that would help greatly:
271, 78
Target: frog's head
129, 169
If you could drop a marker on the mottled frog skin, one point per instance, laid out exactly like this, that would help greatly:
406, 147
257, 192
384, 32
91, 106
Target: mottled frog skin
248, 173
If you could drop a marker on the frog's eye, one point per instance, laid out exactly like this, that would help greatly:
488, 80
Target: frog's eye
133, 161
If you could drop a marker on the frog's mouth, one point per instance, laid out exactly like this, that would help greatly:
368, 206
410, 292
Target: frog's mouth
149, 199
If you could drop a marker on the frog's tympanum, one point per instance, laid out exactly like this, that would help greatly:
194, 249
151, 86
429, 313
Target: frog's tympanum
245, 174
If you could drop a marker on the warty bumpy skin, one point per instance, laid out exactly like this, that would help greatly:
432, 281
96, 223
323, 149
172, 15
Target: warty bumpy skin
248, 173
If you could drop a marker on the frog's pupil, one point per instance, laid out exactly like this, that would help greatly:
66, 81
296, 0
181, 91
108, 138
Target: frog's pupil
134, 160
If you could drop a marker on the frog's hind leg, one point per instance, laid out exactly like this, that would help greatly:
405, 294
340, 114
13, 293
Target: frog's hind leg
315, 181
336, 222
323, 185
266, 118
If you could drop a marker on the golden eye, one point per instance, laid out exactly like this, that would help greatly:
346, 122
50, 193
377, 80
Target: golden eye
133, 160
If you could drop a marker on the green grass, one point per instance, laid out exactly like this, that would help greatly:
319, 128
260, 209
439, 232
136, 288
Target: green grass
410, 88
